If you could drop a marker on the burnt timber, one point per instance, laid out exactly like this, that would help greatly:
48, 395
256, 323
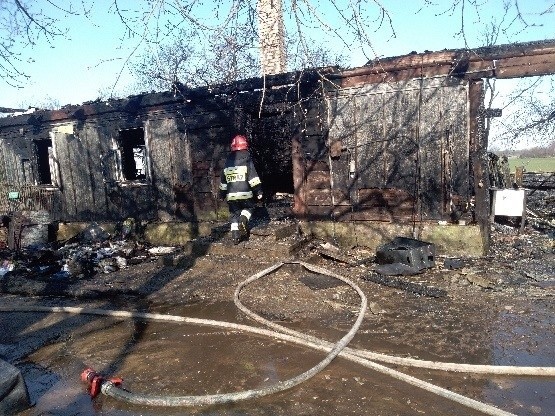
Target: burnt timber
399, 141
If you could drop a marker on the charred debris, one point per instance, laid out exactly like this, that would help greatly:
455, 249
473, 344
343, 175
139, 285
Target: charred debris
86, 254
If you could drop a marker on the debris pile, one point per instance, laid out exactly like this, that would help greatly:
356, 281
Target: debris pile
90, 252
518, 262
540, 201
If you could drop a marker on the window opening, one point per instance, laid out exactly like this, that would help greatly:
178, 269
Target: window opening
26, 170
133, 154
43, 149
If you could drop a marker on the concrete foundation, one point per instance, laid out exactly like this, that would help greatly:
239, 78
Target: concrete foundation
177, 233
450, 240
158, 234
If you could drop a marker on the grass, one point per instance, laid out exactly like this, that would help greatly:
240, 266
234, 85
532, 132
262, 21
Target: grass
533, 164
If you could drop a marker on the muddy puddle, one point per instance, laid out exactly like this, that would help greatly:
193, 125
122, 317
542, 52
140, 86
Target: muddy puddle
524, 337
171, 359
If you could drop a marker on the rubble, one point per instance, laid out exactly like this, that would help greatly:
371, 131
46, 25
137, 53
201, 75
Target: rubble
398, 283
50, 269
439, 306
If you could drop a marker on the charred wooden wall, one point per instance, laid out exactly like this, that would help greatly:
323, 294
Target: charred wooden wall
395, 151
187, 136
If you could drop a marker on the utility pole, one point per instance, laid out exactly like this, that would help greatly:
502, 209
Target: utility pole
272, 36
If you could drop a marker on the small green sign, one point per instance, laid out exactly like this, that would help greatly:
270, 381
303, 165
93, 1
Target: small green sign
13, 195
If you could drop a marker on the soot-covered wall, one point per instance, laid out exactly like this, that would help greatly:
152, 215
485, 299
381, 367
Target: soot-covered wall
389, 151
380, 151
153, 157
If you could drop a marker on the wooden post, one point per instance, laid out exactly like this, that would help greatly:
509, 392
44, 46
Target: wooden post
479, 161
519, 175
299, 204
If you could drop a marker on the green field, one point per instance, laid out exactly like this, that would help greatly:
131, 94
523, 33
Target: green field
533, 164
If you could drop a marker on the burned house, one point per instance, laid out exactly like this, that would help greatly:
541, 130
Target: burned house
395, 147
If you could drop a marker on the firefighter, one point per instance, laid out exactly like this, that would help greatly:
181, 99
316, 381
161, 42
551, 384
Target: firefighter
241, 187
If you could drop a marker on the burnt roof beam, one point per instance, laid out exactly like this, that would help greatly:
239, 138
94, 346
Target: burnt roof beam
504, 61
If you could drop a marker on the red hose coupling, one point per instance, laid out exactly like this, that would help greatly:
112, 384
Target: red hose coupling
95, 381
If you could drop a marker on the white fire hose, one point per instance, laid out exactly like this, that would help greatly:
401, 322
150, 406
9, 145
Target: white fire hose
362, 357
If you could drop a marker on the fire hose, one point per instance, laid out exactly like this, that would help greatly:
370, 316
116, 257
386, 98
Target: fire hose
111, 387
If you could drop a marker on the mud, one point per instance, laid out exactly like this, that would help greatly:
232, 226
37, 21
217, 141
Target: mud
498, 310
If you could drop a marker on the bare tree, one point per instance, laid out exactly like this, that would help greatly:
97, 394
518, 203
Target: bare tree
207, 42
530, 108
185, 39
223, 57
314, 57
531, 114
163, 64
223, 45
23, 24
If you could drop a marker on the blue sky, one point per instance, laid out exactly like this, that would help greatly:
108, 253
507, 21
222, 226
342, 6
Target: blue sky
92, 58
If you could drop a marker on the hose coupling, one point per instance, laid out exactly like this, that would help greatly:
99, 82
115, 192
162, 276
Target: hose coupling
95, 381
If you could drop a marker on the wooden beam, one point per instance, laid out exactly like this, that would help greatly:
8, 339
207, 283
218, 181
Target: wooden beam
525, 66
11, 110
502, 61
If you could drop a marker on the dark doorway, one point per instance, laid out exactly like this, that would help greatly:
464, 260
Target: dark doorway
271, 150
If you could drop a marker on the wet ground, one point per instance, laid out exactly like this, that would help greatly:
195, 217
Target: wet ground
497, 310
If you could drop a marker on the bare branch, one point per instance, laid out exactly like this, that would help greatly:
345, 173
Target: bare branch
46, 28
22, 27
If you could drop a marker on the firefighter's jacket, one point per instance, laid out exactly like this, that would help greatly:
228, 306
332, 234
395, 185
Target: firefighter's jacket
239, 180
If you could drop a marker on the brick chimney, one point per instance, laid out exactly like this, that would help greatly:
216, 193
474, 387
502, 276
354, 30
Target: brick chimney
271, 33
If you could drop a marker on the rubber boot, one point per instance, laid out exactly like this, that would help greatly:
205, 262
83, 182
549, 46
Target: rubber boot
235, 237
244, 227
